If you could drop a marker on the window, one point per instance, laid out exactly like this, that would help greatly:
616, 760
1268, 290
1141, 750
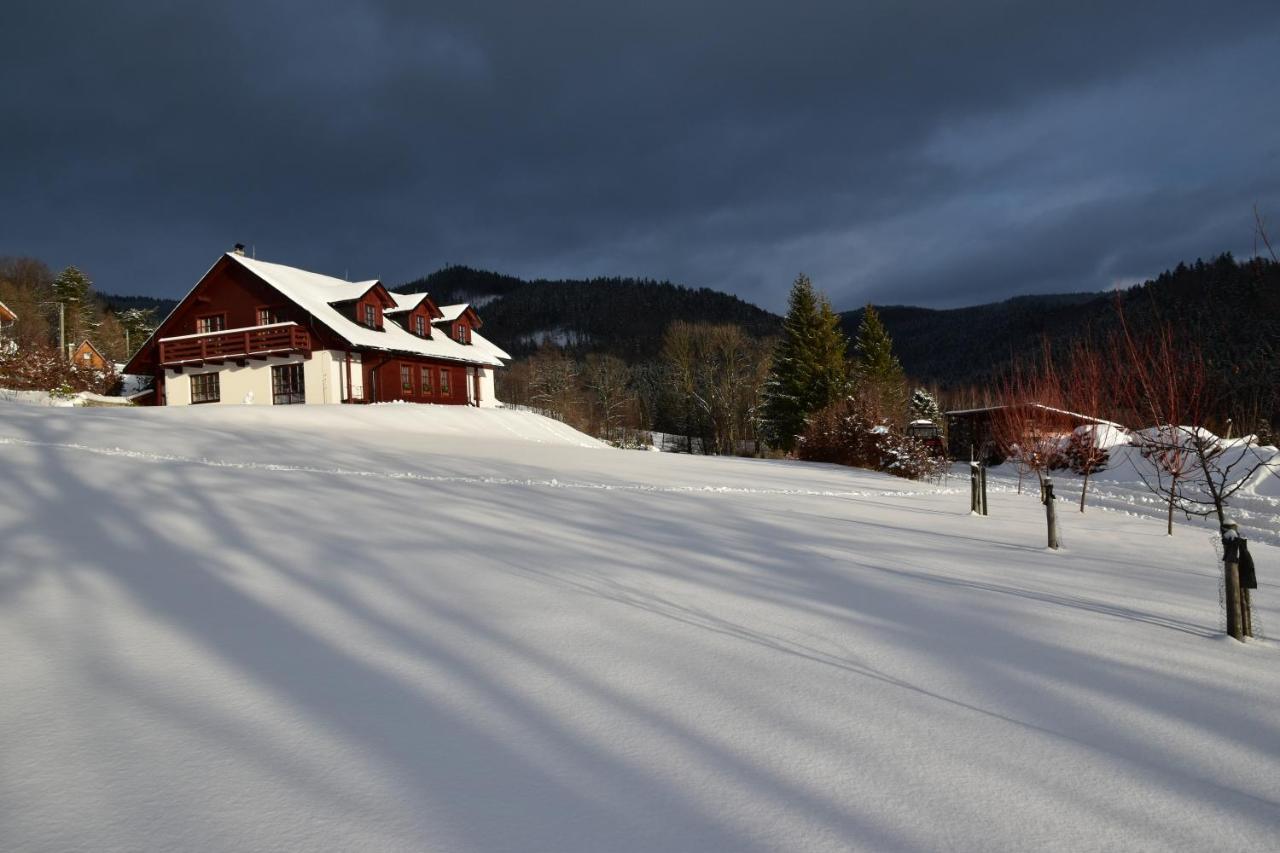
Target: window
287, 385
406, 379
267, 316
460, 333
205, 388
420, 325
371, 316
426, 381
444, 382
212, 323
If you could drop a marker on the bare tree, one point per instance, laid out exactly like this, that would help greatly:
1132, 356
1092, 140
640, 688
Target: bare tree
553, 383
608, 378
1170, 389
1031, 424
1088, 389
718, 372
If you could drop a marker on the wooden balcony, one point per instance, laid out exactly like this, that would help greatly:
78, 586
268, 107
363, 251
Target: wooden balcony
238, 345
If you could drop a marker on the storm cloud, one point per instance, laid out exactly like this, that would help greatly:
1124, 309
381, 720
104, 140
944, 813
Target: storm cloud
899, 152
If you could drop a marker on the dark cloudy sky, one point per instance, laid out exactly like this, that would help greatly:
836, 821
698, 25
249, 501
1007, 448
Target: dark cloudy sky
938, 153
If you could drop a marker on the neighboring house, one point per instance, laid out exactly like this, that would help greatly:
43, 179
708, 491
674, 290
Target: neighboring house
87, 355
7, 319
973, 431
263, 333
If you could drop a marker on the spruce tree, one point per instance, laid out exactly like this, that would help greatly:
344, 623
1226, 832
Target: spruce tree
74, 290
878, 375
924, 407
808, 372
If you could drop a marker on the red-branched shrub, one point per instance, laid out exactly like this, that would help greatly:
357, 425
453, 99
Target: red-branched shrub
35, 368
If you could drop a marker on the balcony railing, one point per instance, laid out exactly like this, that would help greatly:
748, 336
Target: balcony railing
231, 344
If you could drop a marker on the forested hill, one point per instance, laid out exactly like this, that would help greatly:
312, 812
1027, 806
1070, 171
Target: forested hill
623, 316
159, 305
1229, 308
962, 345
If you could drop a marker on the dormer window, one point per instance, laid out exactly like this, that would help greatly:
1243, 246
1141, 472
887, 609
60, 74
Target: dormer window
420, 326
461, 335
371, 316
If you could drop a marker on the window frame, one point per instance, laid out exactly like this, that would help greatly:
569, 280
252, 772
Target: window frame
207, 320
445, 390
406, 378
424, 376
268, 315
370, 318
200, 393
290, 396
420, 325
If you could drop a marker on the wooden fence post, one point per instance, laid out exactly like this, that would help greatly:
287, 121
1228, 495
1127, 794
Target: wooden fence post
983, 475
1238, 578
1050, 514
974, 505
1231, 567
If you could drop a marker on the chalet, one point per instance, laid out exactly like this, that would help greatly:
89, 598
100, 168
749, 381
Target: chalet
87, 355
264, 333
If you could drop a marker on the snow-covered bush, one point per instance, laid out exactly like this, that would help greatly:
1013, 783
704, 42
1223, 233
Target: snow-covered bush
64, 391
845, 434
1083, 455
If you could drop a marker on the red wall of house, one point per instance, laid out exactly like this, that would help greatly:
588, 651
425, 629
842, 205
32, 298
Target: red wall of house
389, 386
236, 293
370, 298
409, 320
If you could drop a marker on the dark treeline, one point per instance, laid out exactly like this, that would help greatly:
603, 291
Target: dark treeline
703, 387
625, 317
1226, 308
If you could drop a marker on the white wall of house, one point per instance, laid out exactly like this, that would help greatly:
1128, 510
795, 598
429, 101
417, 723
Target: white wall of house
324, 378
251, 385
487, 396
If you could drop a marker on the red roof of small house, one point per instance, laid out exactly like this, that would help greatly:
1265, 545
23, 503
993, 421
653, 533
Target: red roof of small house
6, 313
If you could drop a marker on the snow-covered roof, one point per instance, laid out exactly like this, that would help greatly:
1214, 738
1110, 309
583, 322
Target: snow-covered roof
1056, 411
488, 347
405, 302
315, 294
452, 312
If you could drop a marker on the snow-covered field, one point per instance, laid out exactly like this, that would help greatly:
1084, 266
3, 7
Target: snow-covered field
421, 628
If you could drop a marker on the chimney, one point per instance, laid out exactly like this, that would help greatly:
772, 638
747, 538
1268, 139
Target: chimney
239, 249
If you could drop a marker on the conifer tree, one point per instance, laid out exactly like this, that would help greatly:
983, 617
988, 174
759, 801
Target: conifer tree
924, 407
809, 371
878, 375
74, 290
